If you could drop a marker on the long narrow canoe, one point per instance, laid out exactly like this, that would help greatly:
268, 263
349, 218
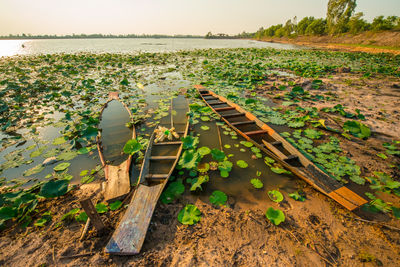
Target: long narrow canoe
159, 162
275, 146
117, 176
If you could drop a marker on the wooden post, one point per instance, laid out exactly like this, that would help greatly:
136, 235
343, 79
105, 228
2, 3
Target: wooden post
91, 212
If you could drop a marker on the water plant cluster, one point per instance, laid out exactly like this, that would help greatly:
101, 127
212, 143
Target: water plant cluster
49, 116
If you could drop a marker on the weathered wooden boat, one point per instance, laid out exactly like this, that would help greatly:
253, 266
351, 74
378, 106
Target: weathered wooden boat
158, 164
116, 172
276, 147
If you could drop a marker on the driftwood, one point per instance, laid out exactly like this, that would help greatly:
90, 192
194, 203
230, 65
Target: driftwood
91, 212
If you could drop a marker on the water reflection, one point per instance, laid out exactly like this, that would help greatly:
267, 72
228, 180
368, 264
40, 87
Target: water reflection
11, 47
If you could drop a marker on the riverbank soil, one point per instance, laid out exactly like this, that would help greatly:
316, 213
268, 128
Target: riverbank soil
370, 42
316, 232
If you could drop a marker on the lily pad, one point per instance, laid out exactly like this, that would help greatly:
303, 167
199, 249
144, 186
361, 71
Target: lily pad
132, 146
190, 142
189, 159
218, 198
242, 164
205, 128
54, 188
34, 170
217, 154
276, 216
275, 196
189, 215
204, 151
101, 208
357, 129
297, 196
256, 183
61, 166
59, 140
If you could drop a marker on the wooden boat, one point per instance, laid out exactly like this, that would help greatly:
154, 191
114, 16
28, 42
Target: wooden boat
159, 162
276, 147
117, 177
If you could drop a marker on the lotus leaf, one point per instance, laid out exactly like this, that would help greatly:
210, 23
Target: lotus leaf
275, 196
218, 198
54, 188
189, 215
276, 216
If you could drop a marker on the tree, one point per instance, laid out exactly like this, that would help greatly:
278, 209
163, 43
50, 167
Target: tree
317, 27
338, 15
381, 24
357, 24
303, 24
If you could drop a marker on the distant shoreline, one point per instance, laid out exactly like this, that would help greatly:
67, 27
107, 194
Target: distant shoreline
98, 37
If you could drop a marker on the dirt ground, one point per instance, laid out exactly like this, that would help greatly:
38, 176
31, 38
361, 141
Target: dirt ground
317, 232
370, 42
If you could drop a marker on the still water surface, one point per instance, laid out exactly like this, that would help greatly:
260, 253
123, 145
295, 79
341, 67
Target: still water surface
126, 45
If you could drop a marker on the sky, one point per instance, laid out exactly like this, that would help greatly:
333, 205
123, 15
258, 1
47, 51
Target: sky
171, 17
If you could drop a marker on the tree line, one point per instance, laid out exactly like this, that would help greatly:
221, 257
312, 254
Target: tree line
97, 35
339, 19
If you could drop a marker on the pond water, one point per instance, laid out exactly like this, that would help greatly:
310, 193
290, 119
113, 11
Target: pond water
126, 45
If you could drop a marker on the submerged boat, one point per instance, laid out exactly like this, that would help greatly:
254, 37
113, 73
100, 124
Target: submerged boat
276, 147
159, 162
110, 141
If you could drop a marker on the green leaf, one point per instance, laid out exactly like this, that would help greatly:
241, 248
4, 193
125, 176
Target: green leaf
242, 164
217, 154
313, 134
69, 215
59, 140
357, 129
205, 128
84, 173
115, 205
218, 198
275, 196
382, 155
61, 166
246, 143
189, 159
54, 188
204, 151
34, 170
83, 150
269, 161
396, 212
256, 183
87, 179
41, 222
224, 174
7, 213
276, 216
189, 215
132, 146
279, 170
82, 217
173, 191
190, 142
205, 118
101, 208
297, 196
67, 155
199, 181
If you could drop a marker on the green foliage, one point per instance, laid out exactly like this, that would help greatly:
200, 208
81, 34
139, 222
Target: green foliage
173, 191
357, 129
132, 147
198, 182
204, 150
190, 142
279, 170
256, 183
101, 208
115, 205
275, 196
69, 215
218, 198
54, 188
338, 15
297, 196
276, 216
217, 154
225, 167
189, 215
61, 166
82, 217
189, 159
242, 164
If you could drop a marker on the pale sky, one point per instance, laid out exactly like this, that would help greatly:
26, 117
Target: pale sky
164, 16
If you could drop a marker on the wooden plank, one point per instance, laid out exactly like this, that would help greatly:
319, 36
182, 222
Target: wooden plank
162, 157
228, 116
224, 109
256, 132
350, 196
157, 176
118, 183
131, 232
275, 150
239, 123
217, 103
91, 212
168, 143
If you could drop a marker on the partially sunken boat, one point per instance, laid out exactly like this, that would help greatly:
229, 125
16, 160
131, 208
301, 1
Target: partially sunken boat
276, 147
159, 162
110, 142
